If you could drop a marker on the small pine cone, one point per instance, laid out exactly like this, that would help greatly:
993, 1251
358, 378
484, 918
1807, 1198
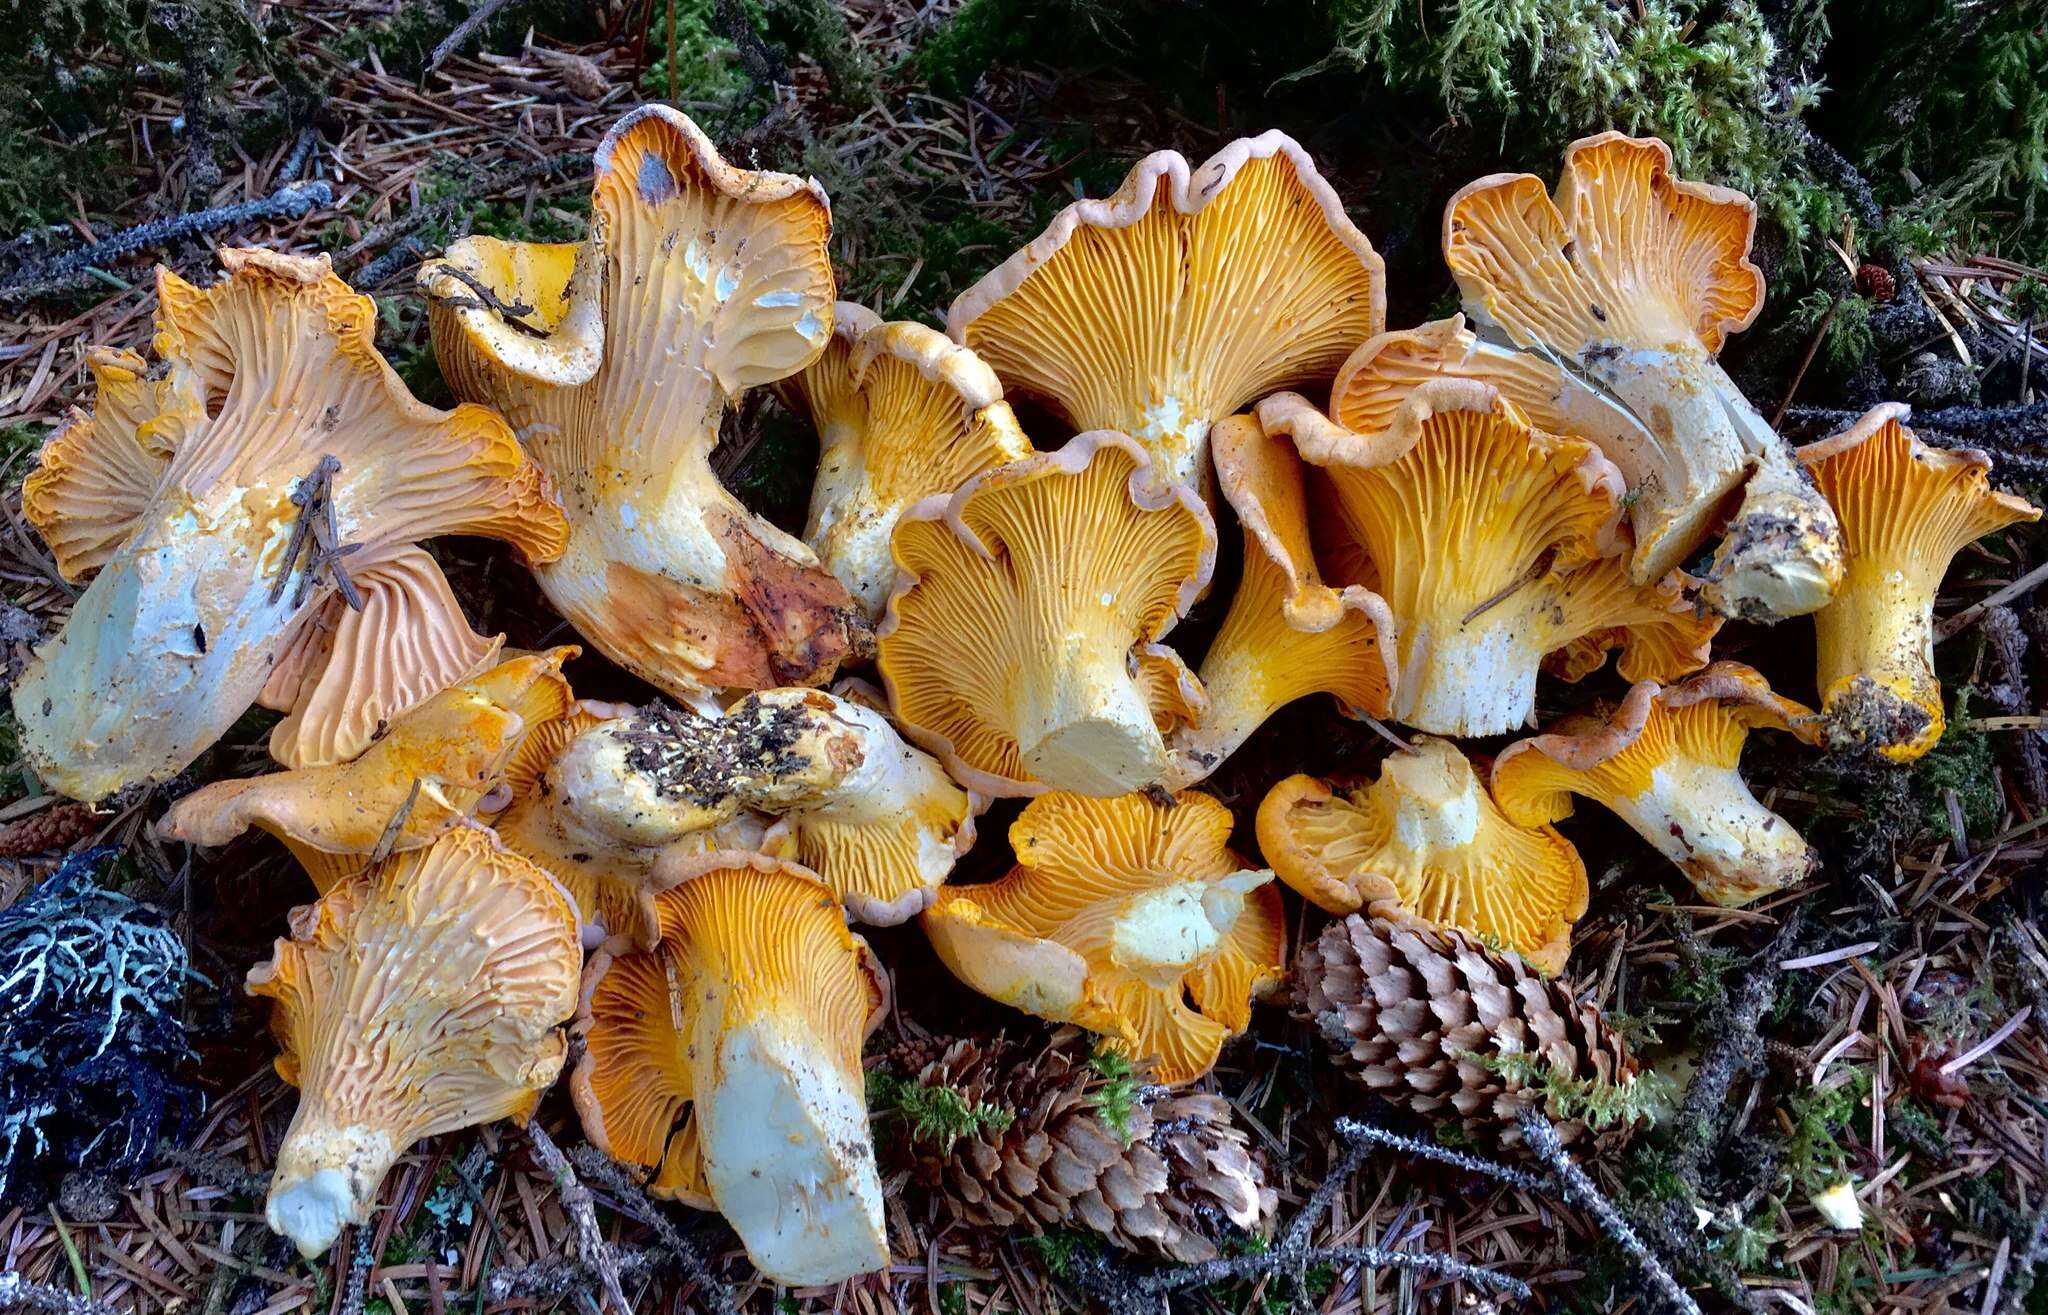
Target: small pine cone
1406, 1007
1044, 1151
56, 827
1876, 283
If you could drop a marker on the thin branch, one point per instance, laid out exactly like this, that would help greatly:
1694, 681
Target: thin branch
61, 273
1576, 1187
633, 1202
577, 1204
1355, 1131
466, 29
18, 1293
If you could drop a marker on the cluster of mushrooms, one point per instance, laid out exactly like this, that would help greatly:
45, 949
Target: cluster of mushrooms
1508, 491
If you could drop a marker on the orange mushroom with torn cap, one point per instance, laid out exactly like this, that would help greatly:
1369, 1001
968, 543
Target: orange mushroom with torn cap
270, 475
1189, 294
724, 1063
1288, 635
902, 412
1022, 645
1621, 290
1426, 842
1666, 762
419, 997
1128, 917
615, 359
1492, 545
1906, 509
435, 768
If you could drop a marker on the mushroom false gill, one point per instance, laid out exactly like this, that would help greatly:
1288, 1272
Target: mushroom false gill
614, 361
1023, 645
1906, 510
1127, 917
1665, 761
212, 500
431, 771
1288, 635
1427, 843
724, 1063
1620, 291
419, 997
1493, 546
1187, 295
902, 412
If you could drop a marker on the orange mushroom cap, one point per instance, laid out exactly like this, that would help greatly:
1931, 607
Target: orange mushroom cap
179, 497
902, 412
420, 997
1492, 545
1187, 295
1426, 842
1627, 284
1287, 635
1906, 510
1022, 643
698, 281
1129, 918
429, 773
725, 1063
1665, 762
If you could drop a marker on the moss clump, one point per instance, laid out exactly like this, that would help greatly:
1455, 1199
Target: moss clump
1961, 762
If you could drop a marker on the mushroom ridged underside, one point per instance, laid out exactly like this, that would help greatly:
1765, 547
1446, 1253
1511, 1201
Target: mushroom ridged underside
878, 821
1666, 762
428, 773
1287, 634
1633, 279
420, 997
94, 476
267, 374
902, 412
1124, 916
1474, 525
1021, 644
726, 1065
1662, 633
698, 281
1185, 296
1426, 842
1906, 511
350, 673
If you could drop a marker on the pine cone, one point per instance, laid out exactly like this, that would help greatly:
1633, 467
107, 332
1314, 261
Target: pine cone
1042, 1148
1407, 1008
58, 827
1875, 282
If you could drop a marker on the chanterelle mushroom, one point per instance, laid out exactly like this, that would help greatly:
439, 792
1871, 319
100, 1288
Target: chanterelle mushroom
1493, 545
1906, 509
1426, 841
431, 771
1287, 635
420, 997
902, 412
698, 281
1627, 283
215, 503
1128, 917
1187, 295
725, 1062
1665, 762
1022, 643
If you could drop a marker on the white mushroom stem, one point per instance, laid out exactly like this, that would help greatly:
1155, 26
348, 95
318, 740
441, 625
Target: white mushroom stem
1475, 678
327, 1175
1082, 720
786, 1150
171, 642
1703, 818
1782, 554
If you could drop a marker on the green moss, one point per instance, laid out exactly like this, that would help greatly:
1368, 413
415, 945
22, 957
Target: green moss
692, 53
938, 1114
1598, 1103
1814, 1154
1117, 1099
1848, 342
1962, 761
